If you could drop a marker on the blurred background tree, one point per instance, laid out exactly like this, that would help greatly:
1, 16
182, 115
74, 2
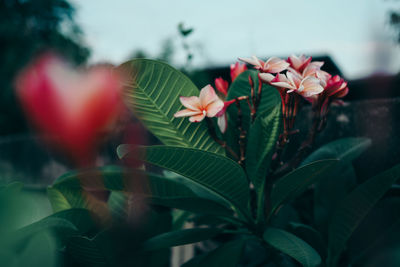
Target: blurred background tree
28, 27
395, 22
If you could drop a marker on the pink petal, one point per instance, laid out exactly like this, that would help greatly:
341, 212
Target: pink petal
207, 96
253, 61
213, 108
191, 102
317, 64
237, 69
284, 85
186, 113
221, 85
294, 79
266, 77
280, 78
197, 118
275, 65
312, 86
222, 123
295, 61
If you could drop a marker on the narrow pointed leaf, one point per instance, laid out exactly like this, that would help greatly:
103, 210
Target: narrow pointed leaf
152, 92
217, 173
179, 237
296, 182
354, 208
345, 149
261, 143
292, 246
67, 192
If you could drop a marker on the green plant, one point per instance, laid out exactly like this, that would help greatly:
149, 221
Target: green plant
235, 182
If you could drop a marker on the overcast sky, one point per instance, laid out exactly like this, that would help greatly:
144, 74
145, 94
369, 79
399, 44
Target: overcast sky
355, 33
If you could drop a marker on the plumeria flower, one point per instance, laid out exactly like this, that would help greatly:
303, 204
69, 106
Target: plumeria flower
237, 69
207, 104
299, 63
306, 87
336, 87
314, 69
222, 86
273, 65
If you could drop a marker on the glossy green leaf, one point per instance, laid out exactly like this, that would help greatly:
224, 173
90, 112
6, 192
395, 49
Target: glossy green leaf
338, 183
67, 192
297, 181
227, 255
309, 235
292, 246
179, 237
354, 208
241, 87
261, 144
152, 91
216, 173
345, 149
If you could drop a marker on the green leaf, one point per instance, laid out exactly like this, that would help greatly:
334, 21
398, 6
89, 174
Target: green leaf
292, 246
87, 252
354, 208
345, 149
338, 183
65, 198
227, 255
241, 87
152, 92
296, 182
45, 224
16, 239
179, 237
67, 193
261, 143
309, 235
40, 250
82, 219
179, 218
217, 173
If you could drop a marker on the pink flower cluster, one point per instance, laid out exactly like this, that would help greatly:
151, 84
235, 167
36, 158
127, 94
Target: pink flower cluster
299, 77
294, 78
302, 76
209, 104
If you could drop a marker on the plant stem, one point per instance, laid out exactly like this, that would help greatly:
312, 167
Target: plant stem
242, 133
303, 150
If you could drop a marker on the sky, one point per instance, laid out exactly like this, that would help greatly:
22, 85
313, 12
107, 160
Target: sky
356, 33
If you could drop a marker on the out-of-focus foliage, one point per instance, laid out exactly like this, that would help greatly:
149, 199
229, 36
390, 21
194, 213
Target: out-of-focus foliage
395, 22
26, 28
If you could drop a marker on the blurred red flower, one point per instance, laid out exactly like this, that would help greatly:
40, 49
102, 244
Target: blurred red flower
73, 106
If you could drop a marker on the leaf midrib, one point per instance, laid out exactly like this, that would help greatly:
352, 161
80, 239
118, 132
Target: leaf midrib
149, 99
